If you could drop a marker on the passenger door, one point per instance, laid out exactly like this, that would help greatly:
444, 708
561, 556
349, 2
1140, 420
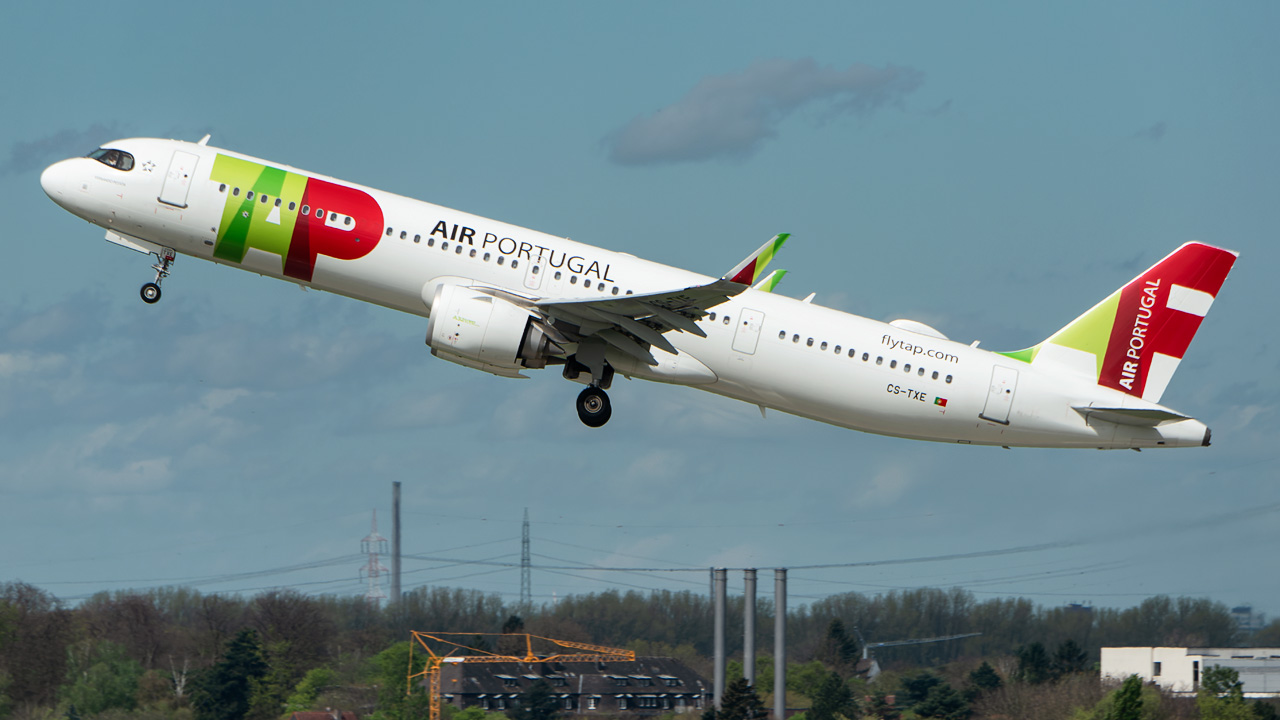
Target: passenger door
177, 182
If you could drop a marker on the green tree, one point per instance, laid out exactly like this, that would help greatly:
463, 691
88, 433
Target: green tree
740, 702
308, 690
1033, 664
1126, 702
390, 668
839, 650
224, 691
832, 700
985, 678
916, 687
1221, 695
945, 702
1069, 659
537, 702
101, 678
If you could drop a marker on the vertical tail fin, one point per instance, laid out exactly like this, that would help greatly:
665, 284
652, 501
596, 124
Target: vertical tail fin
1133, 340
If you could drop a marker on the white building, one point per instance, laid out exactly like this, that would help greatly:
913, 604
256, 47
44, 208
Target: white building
1178, 669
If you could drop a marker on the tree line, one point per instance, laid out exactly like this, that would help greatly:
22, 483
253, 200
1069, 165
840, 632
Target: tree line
128, 651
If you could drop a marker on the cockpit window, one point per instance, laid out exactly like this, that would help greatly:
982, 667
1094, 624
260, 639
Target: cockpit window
117, 159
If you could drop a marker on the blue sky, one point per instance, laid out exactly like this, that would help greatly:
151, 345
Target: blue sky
992, 170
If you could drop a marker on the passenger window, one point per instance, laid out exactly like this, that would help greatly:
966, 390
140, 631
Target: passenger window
222, 187
921, 373
795, 338
628, 292
431, 242
615, 289
444, 245
809, 342
851, 352
319, 214
235, 192
485, 258
404, 234
515, 264
837, 349
948, 379
573, 280
457, 249
346, 220
473, 252
600, 287
248, 195
935, 374
292, 205
906, 368
726, 319
711, 317
334, 216
893, 363
536, 268
823, 346
782, 334
558, 275
879, 359
866, 357
417, 238
262, 199
501, 258
277, 203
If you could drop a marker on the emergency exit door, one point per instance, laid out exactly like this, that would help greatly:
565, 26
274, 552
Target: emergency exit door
747, 336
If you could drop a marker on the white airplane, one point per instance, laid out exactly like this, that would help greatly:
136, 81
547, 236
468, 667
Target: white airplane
504, 299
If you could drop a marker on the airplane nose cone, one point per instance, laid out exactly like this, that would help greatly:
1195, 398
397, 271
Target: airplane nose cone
53, 180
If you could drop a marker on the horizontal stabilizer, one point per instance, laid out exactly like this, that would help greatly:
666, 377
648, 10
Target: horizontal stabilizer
1144, 417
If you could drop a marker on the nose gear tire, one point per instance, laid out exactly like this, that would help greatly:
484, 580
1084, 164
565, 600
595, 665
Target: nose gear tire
150, 293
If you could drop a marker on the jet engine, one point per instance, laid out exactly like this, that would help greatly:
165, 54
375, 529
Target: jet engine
481, 331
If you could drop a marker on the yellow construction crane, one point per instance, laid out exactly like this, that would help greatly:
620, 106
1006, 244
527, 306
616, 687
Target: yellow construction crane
590, 653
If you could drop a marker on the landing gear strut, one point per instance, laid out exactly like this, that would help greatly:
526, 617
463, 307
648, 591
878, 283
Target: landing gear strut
593, 407
151, 291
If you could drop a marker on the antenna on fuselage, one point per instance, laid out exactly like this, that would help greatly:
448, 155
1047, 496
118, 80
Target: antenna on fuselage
204, 140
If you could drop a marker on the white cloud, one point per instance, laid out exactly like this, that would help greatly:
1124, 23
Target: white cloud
732, 115
25, 363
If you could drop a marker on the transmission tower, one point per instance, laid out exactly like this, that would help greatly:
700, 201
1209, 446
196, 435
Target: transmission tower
526, 576
374, 545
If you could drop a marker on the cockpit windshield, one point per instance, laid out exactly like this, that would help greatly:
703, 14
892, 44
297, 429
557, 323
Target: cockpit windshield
117, 159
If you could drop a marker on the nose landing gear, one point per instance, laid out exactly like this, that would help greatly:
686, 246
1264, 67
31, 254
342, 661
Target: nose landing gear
151, 291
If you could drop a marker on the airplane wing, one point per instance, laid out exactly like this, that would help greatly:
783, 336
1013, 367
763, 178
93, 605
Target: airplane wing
634, 323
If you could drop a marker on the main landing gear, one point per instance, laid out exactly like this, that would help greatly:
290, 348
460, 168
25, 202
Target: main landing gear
593, 407
151, 291
588, 366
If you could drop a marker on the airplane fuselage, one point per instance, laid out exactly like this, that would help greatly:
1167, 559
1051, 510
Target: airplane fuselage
759, 347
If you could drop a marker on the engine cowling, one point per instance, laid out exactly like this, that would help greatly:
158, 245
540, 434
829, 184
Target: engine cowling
480, 331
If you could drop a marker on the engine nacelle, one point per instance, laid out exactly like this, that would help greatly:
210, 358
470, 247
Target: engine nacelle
480, 331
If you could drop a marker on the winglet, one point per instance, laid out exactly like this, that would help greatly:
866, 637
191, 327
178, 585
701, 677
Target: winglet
749, 271
770, 281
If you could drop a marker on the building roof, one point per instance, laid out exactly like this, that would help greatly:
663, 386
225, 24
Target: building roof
644, 676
